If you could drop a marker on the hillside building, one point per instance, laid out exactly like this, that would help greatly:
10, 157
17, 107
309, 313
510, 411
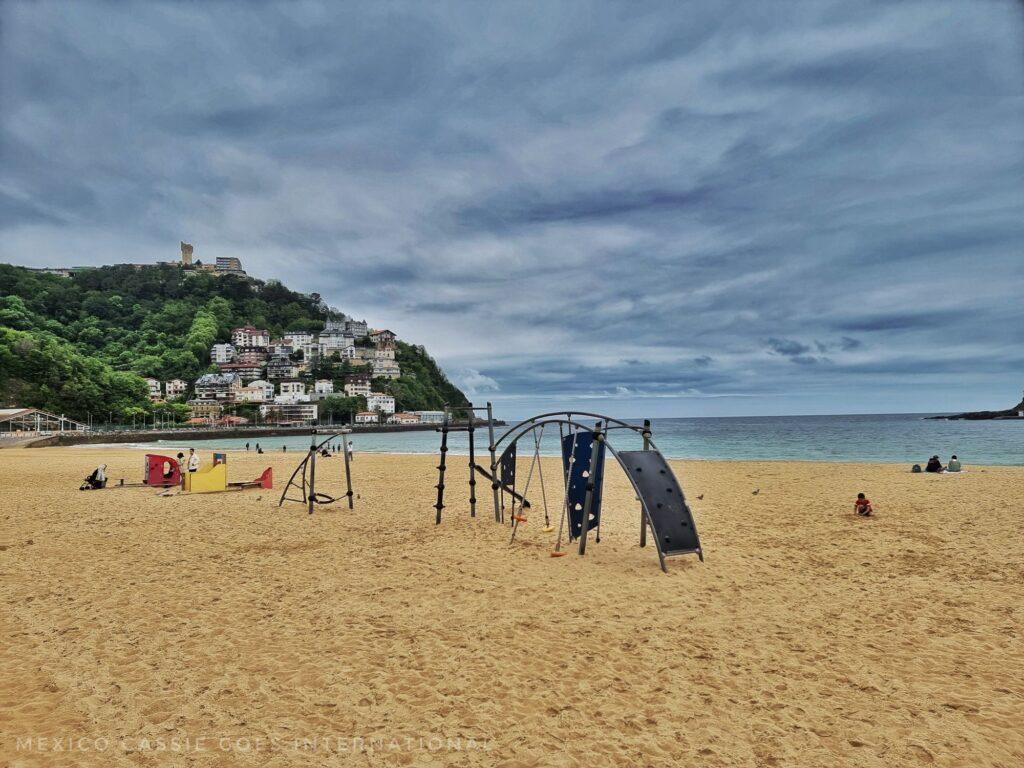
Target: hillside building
357, 385
289, 413
430, 417
248, 336
155, 389
298, 338
218, 387
222, 353
175, 388
378, 401
403, 418
245, 371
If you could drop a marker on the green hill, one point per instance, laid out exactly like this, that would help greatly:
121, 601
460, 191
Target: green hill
81, 344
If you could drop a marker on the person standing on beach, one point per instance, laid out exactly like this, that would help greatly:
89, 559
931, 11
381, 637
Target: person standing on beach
193, 460
246, 447
351, 453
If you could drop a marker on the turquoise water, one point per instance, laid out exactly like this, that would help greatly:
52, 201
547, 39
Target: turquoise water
904, 438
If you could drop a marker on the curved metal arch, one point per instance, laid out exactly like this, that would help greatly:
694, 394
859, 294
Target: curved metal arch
544, 418
530, 426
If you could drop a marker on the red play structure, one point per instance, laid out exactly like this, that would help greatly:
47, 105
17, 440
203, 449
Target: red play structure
161, 471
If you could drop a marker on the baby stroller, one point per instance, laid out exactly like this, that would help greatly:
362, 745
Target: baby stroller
95, 481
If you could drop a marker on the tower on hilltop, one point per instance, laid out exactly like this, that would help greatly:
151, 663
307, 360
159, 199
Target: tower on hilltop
186, 254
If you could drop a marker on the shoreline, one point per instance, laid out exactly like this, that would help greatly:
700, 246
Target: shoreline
689, 459
115, 438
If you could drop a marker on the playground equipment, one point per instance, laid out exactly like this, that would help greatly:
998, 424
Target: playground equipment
157, 472
213, 478
583, 447
306, 472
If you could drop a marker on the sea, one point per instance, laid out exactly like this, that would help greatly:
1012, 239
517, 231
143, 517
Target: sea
900, 438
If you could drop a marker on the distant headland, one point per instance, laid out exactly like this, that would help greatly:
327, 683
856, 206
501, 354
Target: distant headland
1016, 412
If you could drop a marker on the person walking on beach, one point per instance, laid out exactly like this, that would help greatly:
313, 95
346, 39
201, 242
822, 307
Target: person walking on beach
284, 449
246, 447
954, 464
193, 460
862, 506
351, 453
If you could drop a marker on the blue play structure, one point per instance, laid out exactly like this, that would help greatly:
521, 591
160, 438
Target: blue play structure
577, 459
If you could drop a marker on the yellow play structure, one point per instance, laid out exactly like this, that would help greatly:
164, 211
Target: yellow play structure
211, 478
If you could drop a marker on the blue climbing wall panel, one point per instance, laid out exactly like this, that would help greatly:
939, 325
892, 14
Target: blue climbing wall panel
577, 493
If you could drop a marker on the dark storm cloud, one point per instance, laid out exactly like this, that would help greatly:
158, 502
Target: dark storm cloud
570, 200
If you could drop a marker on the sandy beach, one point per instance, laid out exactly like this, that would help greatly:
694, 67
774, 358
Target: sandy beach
221, 630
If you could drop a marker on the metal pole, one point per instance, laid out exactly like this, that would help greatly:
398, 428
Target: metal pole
589, 499
472, 464
312, 472
440, 468
348, 471
498, 515
643, 515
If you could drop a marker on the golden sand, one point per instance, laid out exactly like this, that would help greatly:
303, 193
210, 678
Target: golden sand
221, 630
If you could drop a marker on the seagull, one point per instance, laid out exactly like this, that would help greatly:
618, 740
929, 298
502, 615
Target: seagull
757, 492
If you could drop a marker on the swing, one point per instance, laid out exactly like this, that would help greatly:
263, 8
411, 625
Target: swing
535, 462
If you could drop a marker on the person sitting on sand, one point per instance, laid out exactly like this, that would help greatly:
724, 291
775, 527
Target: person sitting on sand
96, 480
954, 464
862, 506
934, 465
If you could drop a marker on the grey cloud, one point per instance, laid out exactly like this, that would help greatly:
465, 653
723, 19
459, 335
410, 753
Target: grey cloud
567, 199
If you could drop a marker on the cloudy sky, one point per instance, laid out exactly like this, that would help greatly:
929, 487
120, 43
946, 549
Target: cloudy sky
703, 208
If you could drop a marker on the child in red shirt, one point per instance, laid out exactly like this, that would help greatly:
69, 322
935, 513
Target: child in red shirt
862, 506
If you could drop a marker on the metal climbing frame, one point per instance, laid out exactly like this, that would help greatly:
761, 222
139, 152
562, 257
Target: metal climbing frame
492, 475
663, 506
306, 472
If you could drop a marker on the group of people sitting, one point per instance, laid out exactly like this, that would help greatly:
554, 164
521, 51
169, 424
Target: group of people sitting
935, 465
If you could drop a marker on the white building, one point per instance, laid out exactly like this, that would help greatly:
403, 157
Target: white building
357, 387
258, 391
323, 387
175, 388
222, 353
298, 338
289, 413
313, 351
430, 417
291, 388
367, 417
378, 401
155, 389
403, 418
336, 340
386, 369
248, 336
